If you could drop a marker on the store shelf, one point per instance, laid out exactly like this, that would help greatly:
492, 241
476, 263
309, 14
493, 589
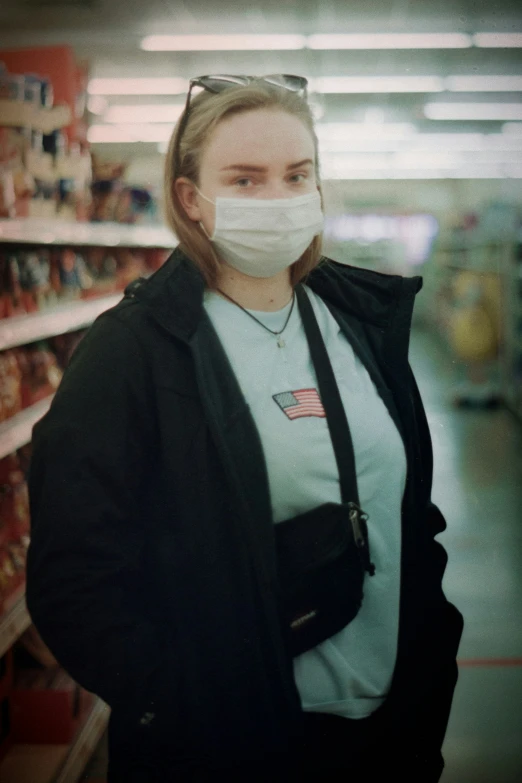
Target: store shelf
456, 267
70, 317
42, 231
13, 623
17, 431
477, 255
56, 763
85, 744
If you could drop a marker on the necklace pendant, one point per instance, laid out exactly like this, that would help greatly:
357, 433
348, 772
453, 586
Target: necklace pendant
281, 343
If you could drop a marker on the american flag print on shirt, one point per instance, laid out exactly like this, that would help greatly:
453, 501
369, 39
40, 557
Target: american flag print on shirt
304, 402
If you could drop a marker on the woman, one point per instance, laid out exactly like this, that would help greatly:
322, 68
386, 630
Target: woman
233, 538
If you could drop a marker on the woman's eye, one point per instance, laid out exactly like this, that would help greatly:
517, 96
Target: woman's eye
243, 182
298, 177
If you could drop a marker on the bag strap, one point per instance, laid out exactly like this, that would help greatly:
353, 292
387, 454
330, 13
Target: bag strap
338, 426
331, 399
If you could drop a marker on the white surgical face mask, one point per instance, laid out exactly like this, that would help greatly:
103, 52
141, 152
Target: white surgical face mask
261, 237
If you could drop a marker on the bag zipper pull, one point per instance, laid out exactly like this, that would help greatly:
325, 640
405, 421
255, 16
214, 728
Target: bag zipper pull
358, 521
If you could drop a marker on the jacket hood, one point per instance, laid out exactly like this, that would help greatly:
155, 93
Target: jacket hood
174, 294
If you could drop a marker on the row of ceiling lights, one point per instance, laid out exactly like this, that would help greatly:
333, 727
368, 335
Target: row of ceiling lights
165, 113
358, 41
411, 162
100, 87
325, 84
336, 137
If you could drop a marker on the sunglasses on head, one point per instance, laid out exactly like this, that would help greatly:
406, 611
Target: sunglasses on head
216, 84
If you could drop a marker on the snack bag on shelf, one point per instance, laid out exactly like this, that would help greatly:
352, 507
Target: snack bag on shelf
144, 205
16, 186
14, 528
17, 551
7, 194
14, 500
14, 143
8, 578
70, 280
131, 265
64, 346
44, 202
24, 455
34, 279
105, 203
54, 274
102, 268
11, 295
41, 375
155, 258
24, 184
10, 385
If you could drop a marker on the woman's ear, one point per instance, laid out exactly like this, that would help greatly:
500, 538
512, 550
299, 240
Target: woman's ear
188, 197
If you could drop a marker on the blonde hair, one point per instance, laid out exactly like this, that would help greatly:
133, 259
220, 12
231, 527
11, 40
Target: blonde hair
206, 111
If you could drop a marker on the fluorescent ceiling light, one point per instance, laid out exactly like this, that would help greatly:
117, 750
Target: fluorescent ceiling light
417, 159
421, 141
357, 162
473, 111
126, 134
97, 104
347, 130
389, 41
498, 40
144, 113
359, 144
217, 43
426, 144
140, 86
495, 172
500, 141
337, 170
484, 83
448, 141
512, 128
376, 84
467, 142
406, 159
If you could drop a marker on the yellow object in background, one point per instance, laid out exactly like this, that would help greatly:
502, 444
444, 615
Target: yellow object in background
475, 325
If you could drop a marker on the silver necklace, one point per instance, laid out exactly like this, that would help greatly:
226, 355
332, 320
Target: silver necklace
281, 343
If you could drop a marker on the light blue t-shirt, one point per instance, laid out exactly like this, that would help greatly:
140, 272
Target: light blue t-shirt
350, 673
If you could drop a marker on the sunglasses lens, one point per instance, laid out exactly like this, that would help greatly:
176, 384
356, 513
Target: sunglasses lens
287, 81
219, 83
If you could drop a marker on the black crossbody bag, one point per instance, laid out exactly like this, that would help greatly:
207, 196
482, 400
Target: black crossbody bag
323, 554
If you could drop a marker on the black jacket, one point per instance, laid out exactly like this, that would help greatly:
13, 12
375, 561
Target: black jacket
151, 573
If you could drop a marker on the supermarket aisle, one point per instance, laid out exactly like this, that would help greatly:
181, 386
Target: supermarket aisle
477, 484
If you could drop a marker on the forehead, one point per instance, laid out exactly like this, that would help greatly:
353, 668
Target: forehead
262, 136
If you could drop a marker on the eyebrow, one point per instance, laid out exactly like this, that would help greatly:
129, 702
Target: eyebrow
261, 169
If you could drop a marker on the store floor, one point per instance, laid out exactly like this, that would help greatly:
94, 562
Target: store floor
478, 486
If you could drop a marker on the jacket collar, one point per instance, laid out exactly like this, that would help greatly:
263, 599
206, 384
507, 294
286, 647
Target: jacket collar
174, 294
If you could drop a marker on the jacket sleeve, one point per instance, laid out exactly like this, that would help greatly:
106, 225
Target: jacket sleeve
432, 520
91, 456
432, 665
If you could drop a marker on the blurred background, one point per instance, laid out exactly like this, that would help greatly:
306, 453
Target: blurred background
419, 119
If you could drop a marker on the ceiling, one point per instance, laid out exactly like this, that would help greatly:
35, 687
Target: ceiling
383, 119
